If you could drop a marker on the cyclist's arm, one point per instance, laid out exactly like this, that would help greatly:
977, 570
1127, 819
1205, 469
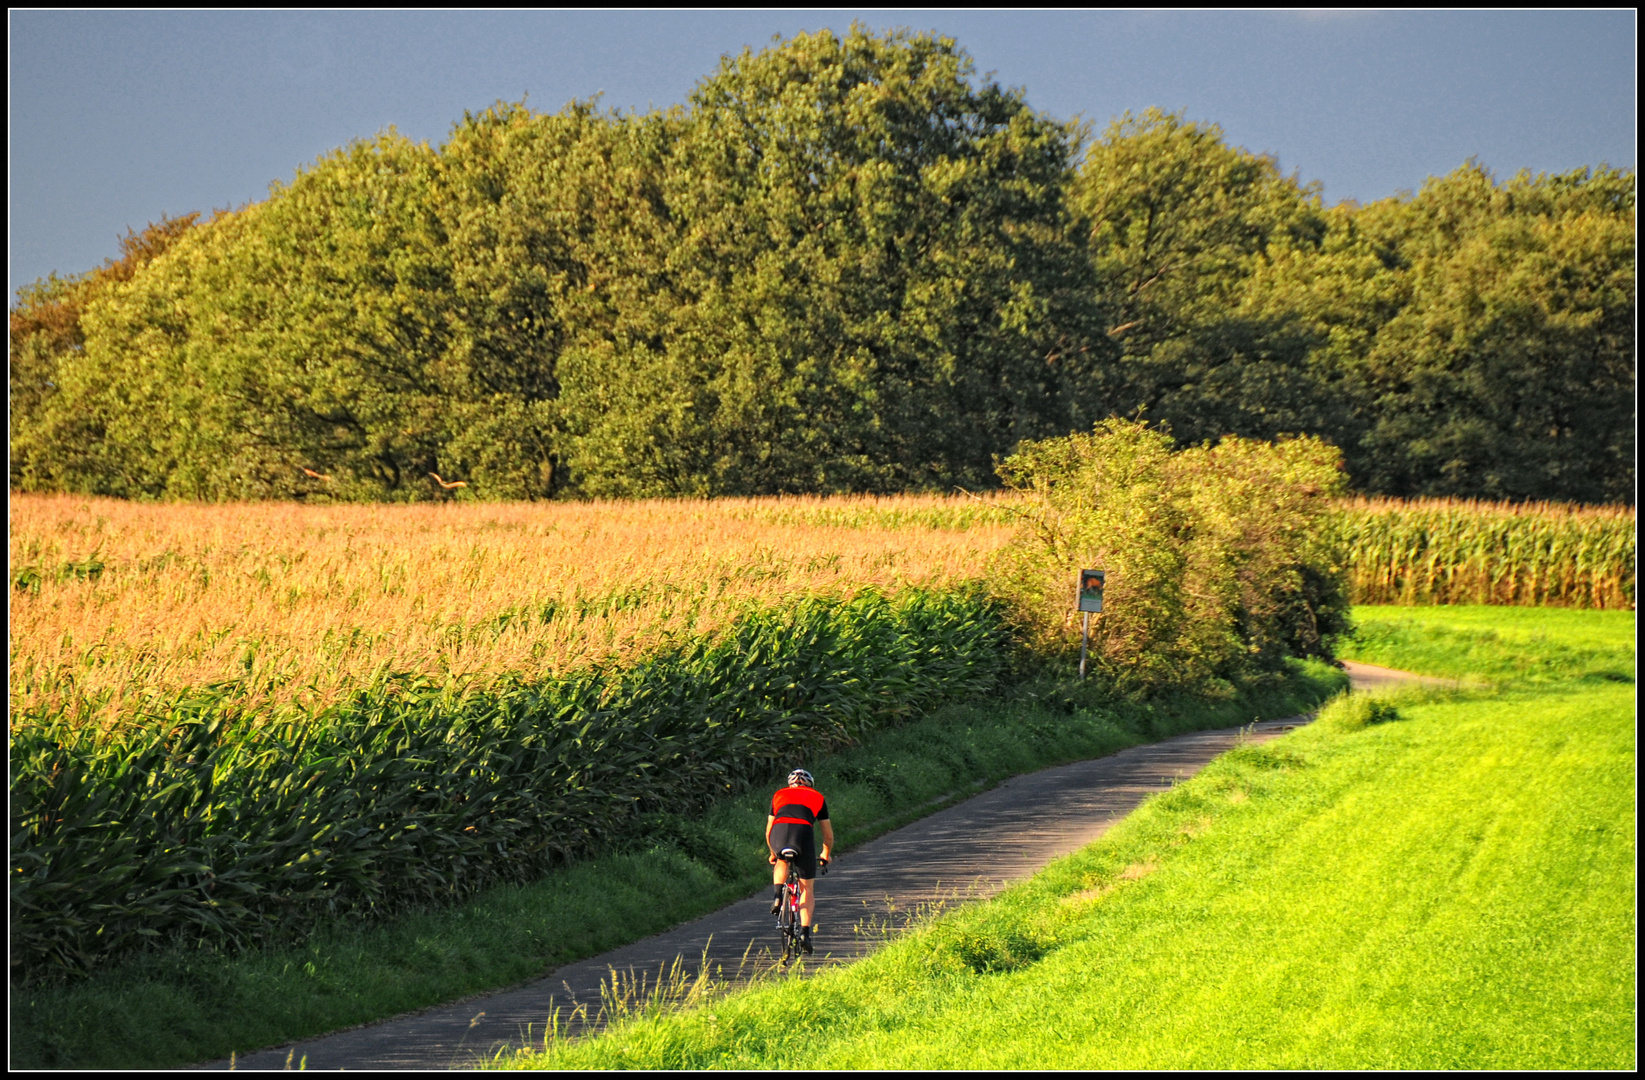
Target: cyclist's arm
770, 820
827, 828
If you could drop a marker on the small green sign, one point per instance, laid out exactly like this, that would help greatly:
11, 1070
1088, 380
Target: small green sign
1090, 595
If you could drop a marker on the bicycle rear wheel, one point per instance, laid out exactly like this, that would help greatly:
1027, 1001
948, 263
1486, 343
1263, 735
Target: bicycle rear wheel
790, 923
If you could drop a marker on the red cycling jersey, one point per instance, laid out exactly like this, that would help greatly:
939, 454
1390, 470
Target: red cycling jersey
799, 805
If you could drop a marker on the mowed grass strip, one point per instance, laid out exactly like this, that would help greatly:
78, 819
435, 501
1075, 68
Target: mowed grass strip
1452, 889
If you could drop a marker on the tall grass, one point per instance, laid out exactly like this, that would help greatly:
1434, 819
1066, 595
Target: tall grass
197, 825
1454, 551
886, 511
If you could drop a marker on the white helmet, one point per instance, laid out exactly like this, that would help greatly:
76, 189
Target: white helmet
800, 778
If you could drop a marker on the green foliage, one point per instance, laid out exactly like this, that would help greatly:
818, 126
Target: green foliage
556, 238
865, 270
1350, 712
47, 332
1475, 339
27, 577
846, 267
210, 823
1218, 561
332, 317
1179, 223
1509, 372
848, 264
297, 333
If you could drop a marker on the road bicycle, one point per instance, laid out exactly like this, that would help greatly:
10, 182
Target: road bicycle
788, 909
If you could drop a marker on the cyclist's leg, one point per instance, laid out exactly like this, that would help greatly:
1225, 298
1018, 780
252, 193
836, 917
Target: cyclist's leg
805, 863
808, 900
788, 921
779, 878
780, 839
808, 906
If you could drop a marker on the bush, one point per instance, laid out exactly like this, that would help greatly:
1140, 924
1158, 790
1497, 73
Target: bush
982, 947
1349, 712
1219, 560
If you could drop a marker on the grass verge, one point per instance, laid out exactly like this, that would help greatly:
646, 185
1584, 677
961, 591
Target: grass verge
171, 1007
1496, 644
1439, 881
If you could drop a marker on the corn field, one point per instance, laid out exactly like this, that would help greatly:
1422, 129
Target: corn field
196, 825
1451, 551
231, 722
114, 603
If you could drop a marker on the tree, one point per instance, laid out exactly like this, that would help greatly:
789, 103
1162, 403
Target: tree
46, 329
301, 333
1509, 373
868, 274
848, 264
555, 241
1178, 224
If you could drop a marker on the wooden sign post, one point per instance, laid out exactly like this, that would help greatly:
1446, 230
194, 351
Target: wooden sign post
1089, 601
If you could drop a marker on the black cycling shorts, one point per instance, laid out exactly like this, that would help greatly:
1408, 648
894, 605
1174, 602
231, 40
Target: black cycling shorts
802, 838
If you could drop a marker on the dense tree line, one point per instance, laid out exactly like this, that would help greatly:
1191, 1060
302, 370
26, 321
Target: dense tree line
848, 264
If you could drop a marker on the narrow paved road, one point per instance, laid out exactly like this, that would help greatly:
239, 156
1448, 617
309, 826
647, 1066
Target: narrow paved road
1371, 677
973, 849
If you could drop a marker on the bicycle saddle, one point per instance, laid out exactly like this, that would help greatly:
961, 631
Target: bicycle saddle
787, 854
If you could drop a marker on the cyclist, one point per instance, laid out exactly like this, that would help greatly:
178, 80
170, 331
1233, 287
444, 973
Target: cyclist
795, 811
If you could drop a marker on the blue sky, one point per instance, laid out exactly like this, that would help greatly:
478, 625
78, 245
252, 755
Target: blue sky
120, 117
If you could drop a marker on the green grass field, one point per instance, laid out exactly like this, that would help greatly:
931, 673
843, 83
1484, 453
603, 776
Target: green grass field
171, 1007
1496, 644
1452, 887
